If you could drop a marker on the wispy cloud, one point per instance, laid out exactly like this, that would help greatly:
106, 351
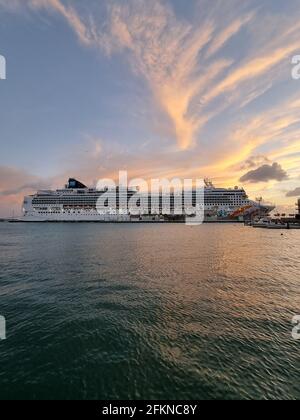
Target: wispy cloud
69, 13
178, 58
221, 38
250, 70
168, 52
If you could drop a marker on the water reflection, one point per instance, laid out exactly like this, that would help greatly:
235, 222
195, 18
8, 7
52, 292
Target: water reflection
149, 311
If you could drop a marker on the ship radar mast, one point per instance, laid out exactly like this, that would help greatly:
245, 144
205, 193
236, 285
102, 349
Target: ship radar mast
208, 183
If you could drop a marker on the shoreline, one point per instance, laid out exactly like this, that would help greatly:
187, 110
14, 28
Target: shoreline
124, 222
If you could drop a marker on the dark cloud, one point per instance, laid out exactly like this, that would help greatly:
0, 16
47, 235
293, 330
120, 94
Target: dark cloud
265, 173
294, 193
254, 161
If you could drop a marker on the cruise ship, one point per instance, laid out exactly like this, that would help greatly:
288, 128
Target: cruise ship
78, 203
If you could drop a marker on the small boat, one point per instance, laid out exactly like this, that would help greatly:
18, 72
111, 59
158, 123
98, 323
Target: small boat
277, 226
269, 223
262, 222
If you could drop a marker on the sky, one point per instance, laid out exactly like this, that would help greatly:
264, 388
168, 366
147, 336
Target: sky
160, 88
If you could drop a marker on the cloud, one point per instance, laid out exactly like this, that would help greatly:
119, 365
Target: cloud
182, 60
228, 32
294, 193
254, 162
14, 181
265, 173
14, 185
26, 187
69, 14
165, 50
252, 69
275, 130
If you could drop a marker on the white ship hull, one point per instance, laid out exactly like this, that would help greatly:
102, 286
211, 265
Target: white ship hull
74, 218
77, 203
